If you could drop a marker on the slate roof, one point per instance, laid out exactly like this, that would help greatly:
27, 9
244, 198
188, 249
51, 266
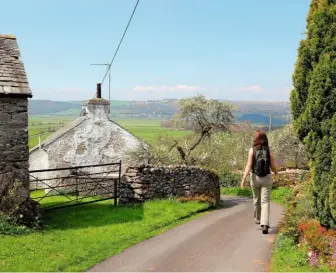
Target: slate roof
13, 78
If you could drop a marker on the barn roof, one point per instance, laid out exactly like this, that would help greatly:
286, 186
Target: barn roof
13, 78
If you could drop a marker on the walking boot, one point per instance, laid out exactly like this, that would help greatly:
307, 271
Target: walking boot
264, 229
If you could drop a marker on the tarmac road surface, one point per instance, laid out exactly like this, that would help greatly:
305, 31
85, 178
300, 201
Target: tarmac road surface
223, 240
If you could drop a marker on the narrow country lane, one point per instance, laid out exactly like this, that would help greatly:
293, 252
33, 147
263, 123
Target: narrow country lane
222, 240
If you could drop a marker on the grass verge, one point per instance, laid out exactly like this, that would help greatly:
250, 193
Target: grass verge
291, 249
77, 238
287, 257
279, 195
281, 261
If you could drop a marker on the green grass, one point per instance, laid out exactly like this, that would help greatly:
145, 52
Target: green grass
35, 141
287, 257
279, 195
77, 238
236, 191
146, 129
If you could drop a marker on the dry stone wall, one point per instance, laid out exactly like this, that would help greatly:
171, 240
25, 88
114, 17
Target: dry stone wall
285, 178
14, 166
14, 138
291, 177
149, 182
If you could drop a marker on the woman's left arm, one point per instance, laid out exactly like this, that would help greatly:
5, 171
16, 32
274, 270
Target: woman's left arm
248, 168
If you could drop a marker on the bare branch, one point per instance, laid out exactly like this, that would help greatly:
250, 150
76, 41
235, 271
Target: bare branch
182, 153
175, 144
179, 149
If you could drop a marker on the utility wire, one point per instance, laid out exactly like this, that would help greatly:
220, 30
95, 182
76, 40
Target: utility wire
122, 38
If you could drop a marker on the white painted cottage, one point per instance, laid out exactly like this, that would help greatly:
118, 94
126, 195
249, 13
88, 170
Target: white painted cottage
91, 139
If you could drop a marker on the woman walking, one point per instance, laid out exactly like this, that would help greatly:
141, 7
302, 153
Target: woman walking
260, 162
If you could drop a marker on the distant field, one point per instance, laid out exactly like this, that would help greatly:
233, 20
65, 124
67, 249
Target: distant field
145, 129
148, 129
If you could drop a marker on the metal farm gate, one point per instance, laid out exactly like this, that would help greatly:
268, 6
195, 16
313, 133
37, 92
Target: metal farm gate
73, 186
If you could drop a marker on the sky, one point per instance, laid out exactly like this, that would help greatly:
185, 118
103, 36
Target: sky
223, 49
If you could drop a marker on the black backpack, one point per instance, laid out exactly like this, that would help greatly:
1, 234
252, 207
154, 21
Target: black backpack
261, 166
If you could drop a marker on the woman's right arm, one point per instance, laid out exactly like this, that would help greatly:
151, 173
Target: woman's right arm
273, 166
248, 168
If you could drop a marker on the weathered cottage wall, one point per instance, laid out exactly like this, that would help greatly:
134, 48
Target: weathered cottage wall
96, 140
38, 161
148, 182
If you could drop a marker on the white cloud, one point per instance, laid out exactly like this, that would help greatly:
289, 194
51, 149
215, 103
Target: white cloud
164, 88
252, 88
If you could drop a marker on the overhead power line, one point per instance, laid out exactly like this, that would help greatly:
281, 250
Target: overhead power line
122, 38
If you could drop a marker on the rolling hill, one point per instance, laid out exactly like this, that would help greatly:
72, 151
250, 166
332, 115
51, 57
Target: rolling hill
254, 112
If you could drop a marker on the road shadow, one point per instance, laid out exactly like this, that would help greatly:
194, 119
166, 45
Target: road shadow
230, 201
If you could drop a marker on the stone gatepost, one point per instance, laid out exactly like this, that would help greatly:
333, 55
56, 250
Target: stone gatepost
15, 201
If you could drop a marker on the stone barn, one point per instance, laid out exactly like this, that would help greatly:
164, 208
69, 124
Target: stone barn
14, 153
14, 94
91, 139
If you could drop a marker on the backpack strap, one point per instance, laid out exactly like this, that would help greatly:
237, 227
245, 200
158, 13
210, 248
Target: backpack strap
253, 158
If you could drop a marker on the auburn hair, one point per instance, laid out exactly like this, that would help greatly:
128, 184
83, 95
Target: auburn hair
260, 139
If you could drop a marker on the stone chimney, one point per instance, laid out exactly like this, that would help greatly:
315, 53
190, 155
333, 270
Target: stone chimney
97, 108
